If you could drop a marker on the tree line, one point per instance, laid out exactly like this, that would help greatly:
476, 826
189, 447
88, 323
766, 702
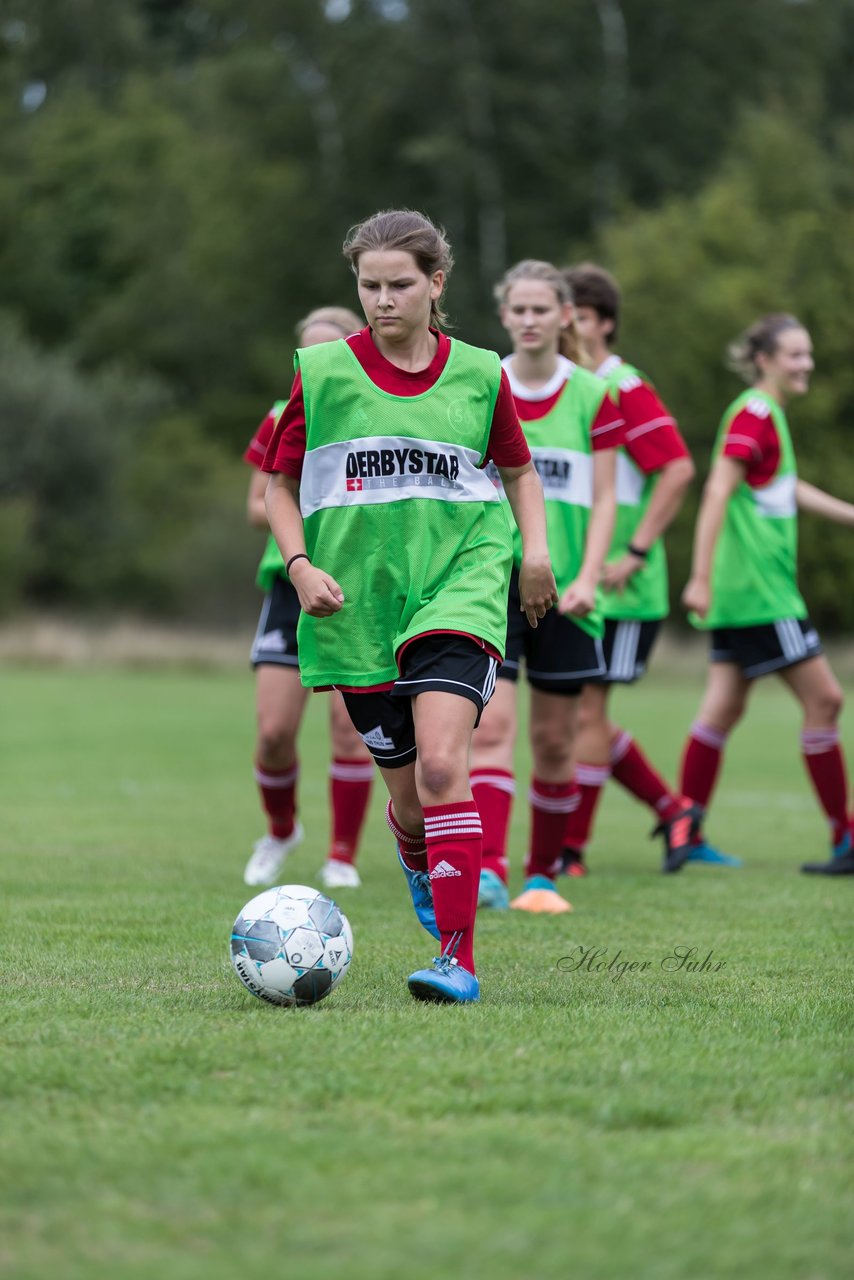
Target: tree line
177, 178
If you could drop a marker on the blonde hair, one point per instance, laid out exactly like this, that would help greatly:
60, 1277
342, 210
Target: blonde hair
410, 232
336, 317
535, 269
761, 336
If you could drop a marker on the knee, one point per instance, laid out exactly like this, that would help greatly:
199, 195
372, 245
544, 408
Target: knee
437, 773
494, 732
826, 707
552, 748
275, 739
724, 714
592, 714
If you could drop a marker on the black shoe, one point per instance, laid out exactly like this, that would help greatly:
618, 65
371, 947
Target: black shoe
843, 865
572, 863
679, 833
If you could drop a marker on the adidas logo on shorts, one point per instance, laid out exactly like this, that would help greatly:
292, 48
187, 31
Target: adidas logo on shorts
376, 738
274, 641
443, 870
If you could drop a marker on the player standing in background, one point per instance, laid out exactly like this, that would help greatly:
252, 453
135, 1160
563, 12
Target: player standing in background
654, 470
280, 698
743, 586
573, 428
400, 551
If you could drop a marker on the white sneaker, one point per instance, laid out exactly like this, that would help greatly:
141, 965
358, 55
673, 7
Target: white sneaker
339, 875
268, 855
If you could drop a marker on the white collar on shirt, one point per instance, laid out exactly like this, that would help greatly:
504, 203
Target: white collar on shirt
608, 365
564, 371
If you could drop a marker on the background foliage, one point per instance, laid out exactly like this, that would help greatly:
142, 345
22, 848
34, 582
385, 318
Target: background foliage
176, 178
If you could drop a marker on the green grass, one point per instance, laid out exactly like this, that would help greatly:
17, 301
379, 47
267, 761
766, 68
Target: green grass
157, 1120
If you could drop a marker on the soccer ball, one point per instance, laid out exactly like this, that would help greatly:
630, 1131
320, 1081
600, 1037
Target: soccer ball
291, 945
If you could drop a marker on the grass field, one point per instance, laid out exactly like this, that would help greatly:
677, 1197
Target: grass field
157, 1120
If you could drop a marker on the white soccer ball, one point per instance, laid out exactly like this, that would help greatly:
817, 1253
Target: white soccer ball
291, 945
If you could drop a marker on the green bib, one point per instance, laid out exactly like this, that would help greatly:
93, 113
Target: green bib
396, 507
562, 452
754, 573
645, 596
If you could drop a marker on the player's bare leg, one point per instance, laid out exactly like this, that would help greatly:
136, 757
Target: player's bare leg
818, 691
351, 774
723, 704
280, 701
493, 786
553, 795
444, 723
592, 768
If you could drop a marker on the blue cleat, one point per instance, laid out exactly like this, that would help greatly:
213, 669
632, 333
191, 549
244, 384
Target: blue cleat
447, 982
492, 892
841, 862
422, 897
704, 852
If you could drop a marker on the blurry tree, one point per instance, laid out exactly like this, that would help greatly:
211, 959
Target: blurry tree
108, 500
774, 231
177, 176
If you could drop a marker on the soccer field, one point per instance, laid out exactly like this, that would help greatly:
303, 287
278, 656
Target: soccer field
157, 1120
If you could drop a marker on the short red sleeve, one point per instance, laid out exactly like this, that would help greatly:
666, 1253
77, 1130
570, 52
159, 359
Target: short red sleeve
652, 436
752, 438
286, 449
608, 428
257, 447
507, 446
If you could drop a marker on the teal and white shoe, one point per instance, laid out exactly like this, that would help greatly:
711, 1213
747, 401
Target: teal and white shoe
705, 852
446, 982
841, 861
492, 892
422, 896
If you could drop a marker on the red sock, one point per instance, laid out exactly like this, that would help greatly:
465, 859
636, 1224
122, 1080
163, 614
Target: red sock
413, 849
349, 792
493, 791
551, 803
701, 762
591, 778
454, 841
278, 789
634, 771
826, 766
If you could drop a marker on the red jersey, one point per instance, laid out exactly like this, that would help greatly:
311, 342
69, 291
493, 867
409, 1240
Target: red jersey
257, 446
752, 439
651, 437
606, 430
507, 446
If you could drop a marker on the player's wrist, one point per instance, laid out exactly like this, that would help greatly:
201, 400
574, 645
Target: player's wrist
296, 563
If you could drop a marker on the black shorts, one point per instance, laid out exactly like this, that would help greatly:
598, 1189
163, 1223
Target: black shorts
627, 644
559, 656
275, 642
445, 662
770, 647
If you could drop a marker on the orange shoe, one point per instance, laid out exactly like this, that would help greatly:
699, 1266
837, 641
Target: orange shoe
541, 896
